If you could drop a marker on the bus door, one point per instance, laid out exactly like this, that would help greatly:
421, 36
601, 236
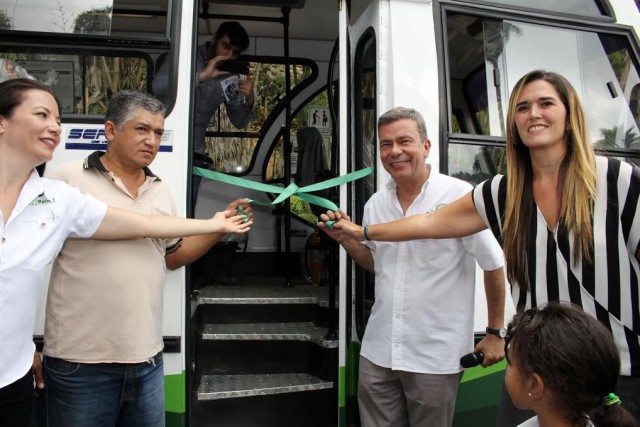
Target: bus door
263, 348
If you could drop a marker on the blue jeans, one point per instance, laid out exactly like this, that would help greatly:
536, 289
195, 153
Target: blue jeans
105, 394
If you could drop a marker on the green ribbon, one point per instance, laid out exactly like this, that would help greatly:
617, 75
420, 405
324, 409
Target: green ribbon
290, 190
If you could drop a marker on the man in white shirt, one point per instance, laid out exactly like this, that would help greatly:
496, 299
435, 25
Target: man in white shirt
422, 319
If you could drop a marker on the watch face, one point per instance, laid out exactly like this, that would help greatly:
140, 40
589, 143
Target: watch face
502, 332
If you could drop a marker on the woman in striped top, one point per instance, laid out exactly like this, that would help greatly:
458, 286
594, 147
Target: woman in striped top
568, 221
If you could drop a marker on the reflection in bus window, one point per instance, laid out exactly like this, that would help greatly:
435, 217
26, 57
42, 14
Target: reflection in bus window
487, 57
475, 164
62, 16
92, 17
84, 84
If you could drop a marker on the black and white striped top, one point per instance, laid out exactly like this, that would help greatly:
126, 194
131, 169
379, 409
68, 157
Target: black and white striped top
607, 287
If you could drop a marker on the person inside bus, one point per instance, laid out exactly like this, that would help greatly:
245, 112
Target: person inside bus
103, 330
229, 41
566, 219
422, 320
36, 216
564, 365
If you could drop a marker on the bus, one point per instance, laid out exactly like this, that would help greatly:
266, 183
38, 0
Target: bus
265, 330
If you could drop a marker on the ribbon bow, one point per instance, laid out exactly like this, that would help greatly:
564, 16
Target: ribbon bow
290, 190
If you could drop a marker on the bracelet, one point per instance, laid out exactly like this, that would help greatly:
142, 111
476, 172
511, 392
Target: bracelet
366, 232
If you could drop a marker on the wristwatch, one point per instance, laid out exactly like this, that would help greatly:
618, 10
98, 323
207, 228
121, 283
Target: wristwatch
502, 332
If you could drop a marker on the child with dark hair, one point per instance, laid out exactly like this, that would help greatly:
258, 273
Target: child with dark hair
563, 365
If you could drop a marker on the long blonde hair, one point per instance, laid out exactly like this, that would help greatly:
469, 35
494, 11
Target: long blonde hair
576, 185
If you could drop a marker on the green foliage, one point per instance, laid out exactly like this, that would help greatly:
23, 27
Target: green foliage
106, 76
269, 85
234, 154
303, 210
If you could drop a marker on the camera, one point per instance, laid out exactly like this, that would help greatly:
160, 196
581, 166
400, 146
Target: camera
234, 66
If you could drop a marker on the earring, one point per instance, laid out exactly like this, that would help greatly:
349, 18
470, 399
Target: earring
529, 394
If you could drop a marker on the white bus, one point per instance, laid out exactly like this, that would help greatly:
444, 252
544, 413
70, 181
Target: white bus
266, 331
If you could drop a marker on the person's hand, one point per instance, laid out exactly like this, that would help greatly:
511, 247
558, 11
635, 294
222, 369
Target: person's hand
246, 88
37, 374
230, 222
349, 228
241, 207
493, 349
211, 70
336, 234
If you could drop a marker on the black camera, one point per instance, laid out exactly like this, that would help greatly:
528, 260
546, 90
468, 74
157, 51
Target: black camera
234, 66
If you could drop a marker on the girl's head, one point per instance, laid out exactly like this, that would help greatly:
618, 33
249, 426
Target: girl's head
561, 358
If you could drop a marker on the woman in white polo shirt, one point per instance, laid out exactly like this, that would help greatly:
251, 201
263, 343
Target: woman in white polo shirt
36, 216
568, 220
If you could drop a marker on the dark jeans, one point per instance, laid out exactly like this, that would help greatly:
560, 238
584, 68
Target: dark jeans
105, 394
628, 390
16, 401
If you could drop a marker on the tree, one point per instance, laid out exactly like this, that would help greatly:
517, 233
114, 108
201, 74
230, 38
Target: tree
96, 21
6, 23
609, 138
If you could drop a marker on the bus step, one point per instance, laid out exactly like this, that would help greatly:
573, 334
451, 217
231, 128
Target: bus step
215, 387
298, 331
264, 294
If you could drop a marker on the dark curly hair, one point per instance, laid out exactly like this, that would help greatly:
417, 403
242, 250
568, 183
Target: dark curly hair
575, 356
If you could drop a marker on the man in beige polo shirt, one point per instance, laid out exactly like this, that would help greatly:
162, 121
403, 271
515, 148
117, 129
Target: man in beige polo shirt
103, 331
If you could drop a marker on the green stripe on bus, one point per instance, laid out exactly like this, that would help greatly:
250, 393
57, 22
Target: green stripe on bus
175, 393
479, 371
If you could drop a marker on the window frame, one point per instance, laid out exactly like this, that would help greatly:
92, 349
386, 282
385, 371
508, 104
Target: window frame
481, 9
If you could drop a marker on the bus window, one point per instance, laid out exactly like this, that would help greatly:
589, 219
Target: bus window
88, 17
365, 153
232, 150
83, 83
476, 163
573, 7
83, 67
488, 56
598, 65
